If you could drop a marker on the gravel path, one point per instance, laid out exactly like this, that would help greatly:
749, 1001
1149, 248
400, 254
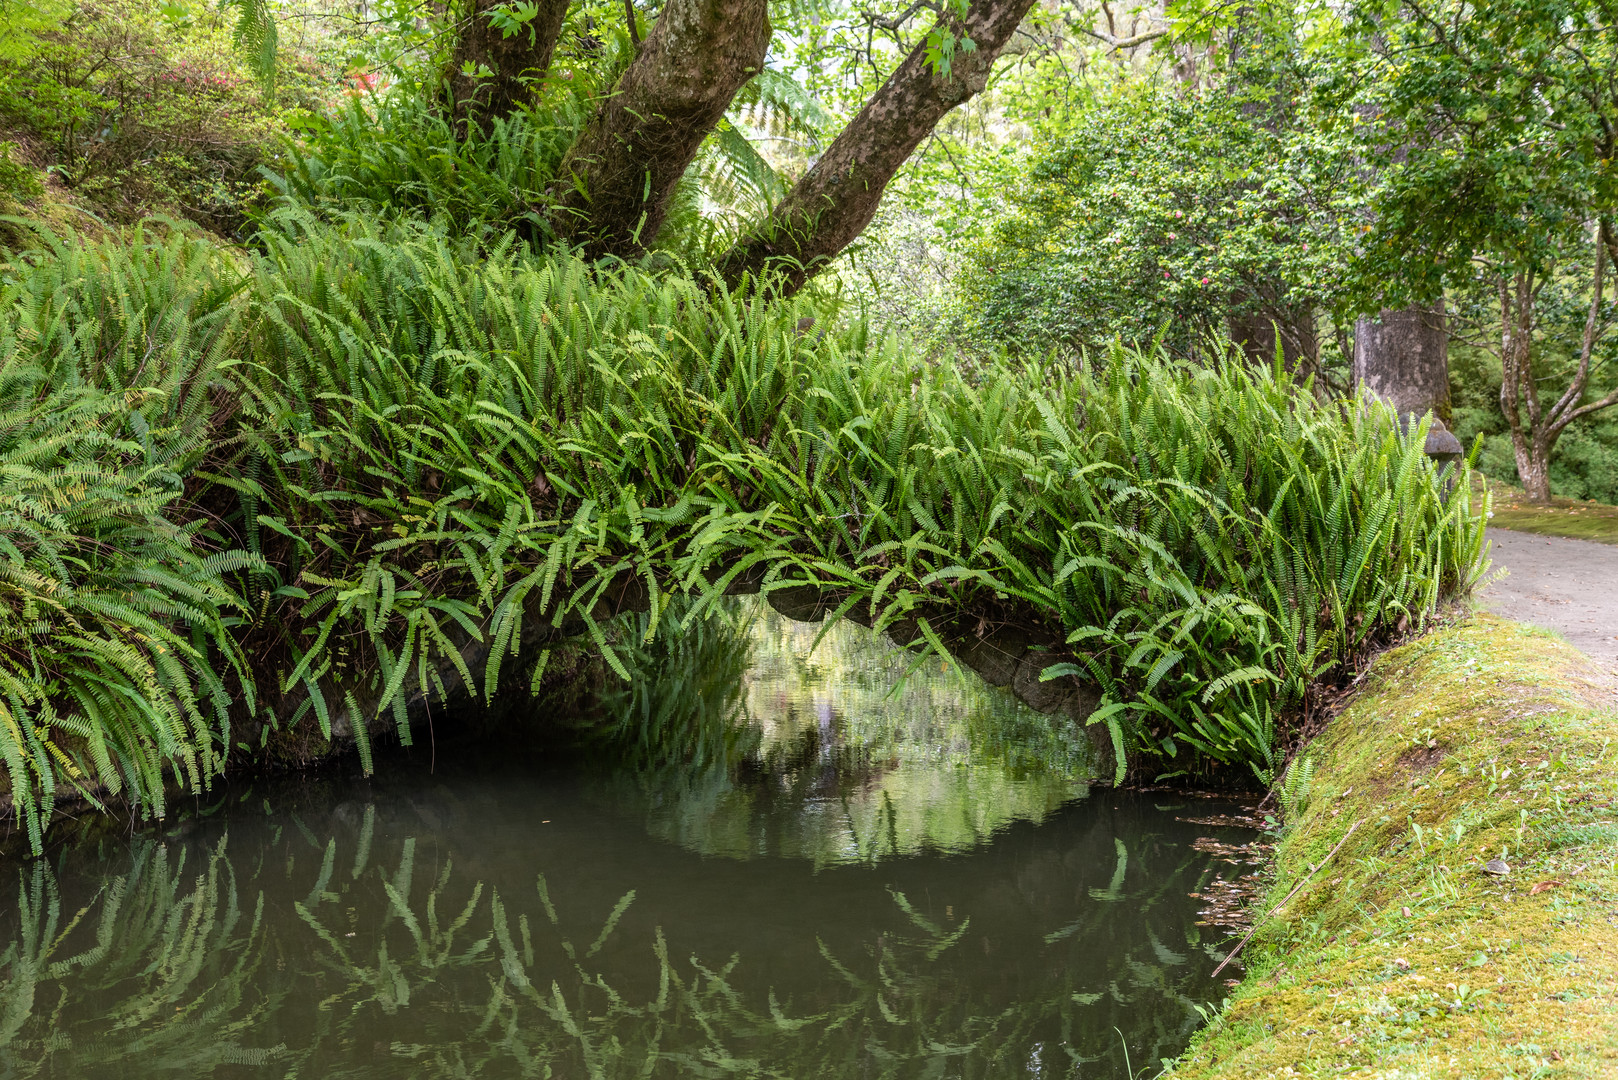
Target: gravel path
1570, 586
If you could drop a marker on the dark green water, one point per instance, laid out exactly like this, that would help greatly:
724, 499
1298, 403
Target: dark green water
750, 862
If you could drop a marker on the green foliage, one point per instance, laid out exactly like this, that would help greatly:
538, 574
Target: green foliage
400, 154
423, 448
1160, 216
256, 37
117, 664
1293, 792
1515, 109
1585, 465
137, 109
18, 181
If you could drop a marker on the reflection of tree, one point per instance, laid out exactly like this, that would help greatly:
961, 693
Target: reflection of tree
182, 969
744, 738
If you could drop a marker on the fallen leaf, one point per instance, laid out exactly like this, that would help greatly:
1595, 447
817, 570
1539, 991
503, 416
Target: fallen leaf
1542, 886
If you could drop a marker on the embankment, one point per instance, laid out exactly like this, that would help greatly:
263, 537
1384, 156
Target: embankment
1404, 956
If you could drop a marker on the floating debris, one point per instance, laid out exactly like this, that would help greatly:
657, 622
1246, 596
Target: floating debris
1228, 821
1231, 903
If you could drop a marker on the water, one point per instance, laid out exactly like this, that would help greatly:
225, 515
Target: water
749, 862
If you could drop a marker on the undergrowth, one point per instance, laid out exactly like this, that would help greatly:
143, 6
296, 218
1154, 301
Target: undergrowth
390, 454
1406, 954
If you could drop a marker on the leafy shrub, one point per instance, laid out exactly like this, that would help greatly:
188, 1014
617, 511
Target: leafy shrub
18, 182
426, 444
141, 108
1160, 217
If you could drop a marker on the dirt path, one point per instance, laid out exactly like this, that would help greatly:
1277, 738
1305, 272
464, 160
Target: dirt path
1570, 586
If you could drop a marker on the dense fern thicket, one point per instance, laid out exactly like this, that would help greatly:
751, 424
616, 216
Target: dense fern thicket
248, 495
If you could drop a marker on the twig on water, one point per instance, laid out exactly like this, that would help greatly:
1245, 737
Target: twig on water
1258, 922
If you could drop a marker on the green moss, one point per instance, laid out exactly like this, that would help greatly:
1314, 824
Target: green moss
1402, 957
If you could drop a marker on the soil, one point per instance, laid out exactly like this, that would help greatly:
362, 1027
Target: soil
1570, 586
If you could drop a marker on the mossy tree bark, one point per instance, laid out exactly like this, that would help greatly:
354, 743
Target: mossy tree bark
1402, 356
838, 196
621, 173
513, 62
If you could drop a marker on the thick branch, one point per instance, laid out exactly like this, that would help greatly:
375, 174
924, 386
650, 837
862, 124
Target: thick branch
515, 61
621, 173
1563, 412
838, 197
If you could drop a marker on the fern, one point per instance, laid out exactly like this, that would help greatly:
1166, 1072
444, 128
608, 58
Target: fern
314, 484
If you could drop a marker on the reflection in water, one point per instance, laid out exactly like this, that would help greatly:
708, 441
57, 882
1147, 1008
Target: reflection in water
811, 752
911, 896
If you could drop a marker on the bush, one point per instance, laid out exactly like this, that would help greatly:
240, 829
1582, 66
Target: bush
1159, 217
138, 109
19, 183
422, 445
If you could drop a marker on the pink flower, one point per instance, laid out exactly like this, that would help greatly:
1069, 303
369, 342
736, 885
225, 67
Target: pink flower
1204, 281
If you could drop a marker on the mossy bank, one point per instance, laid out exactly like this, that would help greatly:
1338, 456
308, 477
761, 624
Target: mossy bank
1403, 956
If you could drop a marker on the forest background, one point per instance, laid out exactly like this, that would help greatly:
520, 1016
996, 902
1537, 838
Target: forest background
1150, 174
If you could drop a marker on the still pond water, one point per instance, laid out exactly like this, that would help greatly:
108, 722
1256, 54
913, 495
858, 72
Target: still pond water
752, 861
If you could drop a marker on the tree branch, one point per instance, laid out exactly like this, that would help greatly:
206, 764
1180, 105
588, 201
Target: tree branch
1117, 44
618, 178
839, 195
1564, 412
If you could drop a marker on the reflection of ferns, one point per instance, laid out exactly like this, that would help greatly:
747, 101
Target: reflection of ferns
186, 967
680, 711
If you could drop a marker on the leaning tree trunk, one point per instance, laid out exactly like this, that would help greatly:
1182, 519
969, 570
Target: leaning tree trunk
621, 173
837, 198
513, 62
1402, 357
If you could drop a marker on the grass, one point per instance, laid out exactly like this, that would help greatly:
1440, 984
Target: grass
1402, 957
1572, 518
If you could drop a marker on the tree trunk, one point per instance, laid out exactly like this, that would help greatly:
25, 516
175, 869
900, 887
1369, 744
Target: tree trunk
1402, 357
1256, 334
837, 198
622, 171
514, 61
1534, 467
